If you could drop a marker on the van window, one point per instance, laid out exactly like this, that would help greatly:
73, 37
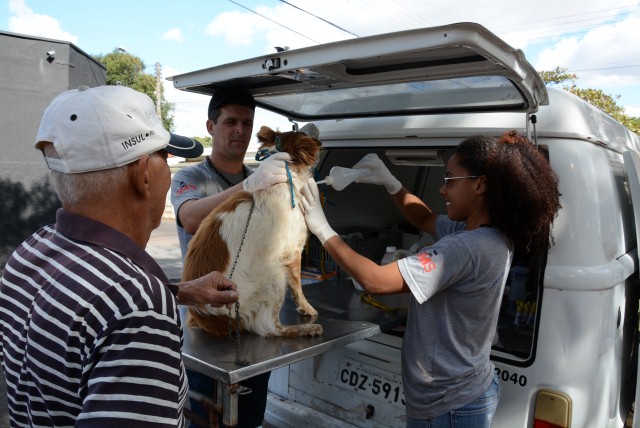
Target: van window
459, 95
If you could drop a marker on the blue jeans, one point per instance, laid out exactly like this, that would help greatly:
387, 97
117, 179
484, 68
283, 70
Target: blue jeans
477, 414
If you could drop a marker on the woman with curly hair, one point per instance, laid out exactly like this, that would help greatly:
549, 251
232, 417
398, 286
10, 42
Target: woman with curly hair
501, 195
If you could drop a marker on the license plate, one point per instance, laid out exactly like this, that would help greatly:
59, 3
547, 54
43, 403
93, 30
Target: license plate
370, 381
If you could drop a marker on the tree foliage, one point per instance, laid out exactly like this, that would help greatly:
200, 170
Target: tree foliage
596, 97
205, 141
126, 69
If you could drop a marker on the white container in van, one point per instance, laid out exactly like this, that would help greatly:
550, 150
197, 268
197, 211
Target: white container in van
411, 97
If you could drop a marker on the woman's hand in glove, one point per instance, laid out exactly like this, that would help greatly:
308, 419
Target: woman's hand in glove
313, 213
379, 173
270, 171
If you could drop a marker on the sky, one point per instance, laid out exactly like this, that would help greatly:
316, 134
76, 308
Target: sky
596, 41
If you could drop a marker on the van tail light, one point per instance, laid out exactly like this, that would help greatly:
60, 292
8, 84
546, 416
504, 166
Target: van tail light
542, 424
553, 409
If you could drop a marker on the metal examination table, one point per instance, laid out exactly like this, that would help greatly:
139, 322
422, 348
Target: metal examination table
344, 317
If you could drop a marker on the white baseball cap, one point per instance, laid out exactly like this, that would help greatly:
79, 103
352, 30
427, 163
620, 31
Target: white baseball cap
106, 127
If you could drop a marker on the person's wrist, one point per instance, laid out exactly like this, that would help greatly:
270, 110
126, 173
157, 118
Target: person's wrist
247, 185
324, 233
184, 296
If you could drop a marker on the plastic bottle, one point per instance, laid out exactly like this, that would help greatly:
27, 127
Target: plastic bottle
519, 311
531, 319
518, 276
392, 254
340, 177
424, 240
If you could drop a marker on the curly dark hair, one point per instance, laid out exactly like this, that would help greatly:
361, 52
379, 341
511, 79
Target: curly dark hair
522, 189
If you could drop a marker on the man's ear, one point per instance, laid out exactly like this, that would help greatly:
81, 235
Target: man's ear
210, 126
140, 176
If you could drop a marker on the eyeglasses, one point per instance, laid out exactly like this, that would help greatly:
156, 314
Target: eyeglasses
447, 179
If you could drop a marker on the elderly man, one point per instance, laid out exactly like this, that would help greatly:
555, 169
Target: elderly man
90, 331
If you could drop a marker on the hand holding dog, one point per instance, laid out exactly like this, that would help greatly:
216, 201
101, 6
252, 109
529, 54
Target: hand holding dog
212, 289
270, 171
313, 213
379, 173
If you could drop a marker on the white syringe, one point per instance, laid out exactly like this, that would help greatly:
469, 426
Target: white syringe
340, 177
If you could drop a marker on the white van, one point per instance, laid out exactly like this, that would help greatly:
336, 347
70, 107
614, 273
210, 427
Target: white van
567, 353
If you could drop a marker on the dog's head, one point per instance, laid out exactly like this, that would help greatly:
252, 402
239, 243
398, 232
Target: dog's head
303, 149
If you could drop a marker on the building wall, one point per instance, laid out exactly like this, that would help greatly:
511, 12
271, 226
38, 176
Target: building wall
30, 79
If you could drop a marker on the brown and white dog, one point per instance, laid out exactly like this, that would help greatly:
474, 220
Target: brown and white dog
270, 257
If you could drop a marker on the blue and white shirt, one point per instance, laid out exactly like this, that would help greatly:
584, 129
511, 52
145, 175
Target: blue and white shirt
90, 333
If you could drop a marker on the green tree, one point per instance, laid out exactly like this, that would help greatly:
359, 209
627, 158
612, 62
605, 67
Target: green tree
596, 97
126, 69
205, 141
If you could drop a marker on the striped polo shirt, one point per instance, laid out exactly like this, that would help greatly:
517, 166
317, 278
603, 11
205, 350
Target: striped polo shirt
90, 333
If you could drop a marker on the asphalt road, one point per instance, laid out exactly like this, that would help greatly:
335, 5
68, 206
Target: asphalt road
165, 248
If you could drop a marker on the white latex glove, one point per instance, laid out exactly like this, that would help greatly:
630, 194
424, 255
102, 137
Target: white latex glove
313, 213
270, 171
379, 173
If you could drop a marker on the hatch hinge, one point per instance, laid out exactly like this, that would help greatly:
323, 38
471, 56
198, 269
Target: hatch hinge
271, 64
532, 119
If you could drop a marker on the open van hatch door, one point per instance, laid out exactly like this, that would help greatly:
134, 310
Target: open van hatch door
632, 167
449, 69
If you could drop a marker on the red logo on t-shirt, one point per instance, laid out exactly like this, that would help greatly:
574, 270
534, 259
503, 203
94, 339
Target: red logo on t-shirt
185, 187
426, 261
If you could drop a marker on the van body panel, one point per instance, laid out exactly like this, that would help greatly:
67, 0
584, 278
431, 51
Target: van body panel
632, 167
594, 217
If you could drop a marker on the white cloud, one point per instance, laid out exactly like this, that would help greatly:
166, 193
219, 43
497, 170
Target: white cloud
633, 111
190, 114
605, 56
26, 21
237, 28
560, 55
173, 34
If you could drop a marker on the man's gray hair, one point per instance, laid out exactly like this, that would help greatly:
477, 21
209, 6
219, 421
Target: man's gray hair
74, 189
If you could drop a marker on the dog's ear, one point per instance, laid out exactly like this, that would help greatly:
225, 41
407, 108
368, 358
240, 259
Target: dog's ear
266, 136
304, 150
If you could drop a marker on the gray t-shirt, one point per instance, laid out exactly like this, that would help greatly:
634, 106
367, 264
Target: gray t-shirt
197, 182
456, 285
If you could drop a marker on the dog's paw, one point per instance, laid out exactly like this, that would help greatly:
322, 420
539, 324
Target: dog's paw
310, 329
301, 330
307, 311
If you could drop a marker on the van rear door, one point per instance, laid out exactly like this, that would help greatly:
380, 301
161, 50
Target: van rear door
632, 167
449, 69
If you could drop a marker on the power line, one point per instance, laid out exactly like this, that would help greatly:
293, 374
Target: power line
611, 13
605, 68
275, 22
318, 17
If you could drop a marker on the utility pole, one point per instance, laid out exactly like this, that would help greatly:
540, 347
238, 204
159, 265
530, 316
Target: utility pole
158, 88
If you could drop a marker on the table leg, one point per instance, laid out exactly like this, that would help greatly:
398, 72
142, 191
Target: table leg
229, 395
212, 407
